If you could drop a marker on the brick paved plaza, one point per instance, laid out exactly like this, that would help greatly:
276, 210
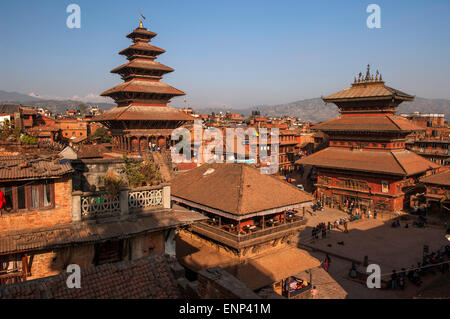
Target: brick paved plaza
391, 248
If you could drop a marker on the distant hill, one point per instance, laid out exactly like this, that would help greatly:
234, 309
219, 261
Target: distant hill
57, 106
16, 97
315, 110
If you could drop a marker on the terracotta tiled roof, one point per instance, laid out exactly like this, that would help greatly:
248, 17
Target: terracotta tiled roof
144, 86
144, 113
266, 270
145, 278
442, 179
144, 64
91, 151
402, 162
88, 232
237, 189
386, 123
143, 31
25, 168
143, 47
368, 91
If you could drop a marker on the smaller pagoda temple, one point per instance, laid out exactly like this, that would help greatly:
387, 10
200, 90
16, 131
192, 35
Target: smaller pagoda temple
366, 164
142, 119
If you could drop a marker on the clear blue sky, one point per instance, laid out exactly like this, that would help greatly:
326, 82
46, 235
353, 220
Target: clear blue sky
234, 53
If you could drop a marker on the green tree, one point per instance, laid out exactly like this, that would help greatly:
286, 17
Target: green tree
28, 140
101, 135
139, 172
82, 108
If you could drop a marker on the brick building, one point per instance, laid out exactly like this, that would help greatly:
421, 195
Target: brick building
438, 192
433, 142
366, 164
45, 225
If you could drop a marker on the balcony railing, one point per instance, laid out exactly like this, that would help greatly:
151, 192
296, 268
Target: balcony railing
11, 278
99, 205
96, 205
238, 240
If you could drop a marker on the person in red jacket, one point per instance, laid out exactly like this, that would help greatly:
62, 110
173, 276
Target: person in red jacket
2, 202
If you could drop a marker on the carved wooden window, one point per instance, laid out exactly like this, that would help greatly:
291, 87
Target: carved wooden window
384, 187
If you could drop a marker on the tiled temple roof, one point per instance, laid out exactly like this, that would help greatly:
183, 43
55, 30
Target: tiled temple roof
144, 113
144, 86
378, 123
401, 162
442, 179
237, 189
368, 87
143, 64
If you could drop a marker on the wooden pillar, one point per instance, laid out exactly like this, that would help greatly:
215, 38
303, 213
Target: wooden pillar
139, 144
220, 221
25, 267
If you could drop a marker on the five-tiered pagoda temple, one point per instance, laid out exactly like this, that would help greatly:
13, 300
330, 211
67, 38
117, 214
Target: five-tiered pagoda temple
366, 163
142, 118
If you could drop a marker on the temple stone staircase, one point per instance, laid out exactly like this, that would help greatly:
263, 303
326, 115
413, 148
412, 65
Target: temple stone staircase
165, 165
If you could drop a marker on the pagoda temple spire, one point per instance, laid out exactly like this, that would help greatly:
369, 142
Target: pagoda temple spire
142, 116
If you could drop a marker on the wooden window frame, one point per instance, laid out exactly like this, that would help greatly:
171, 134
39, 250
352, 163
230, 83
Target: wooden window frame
28, 199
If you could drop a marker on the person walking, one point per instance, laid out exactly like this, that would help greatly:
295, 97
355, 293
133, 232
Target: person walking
326, 263
314, 292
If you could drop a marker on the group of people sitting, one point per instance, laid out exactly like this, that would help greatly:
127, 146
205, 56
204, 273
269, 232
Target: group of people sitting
414, 273
320, 229
421, 223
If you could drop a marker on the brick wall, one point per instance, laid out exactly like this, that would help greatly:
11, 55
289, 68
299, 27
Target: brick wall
56, 261
60, 214
216, 283
148, 244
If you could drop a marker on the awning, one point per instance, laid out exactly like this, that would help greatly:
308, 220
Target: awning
255, 272
266, 270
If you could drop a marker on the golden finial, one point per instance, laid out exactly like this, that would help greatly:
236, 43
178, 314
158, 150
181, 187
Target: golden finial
141, 25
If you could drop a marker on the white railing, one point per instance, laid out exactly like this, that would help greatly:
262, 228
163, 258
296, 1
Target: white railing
99, 205
145, 199
94, 205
